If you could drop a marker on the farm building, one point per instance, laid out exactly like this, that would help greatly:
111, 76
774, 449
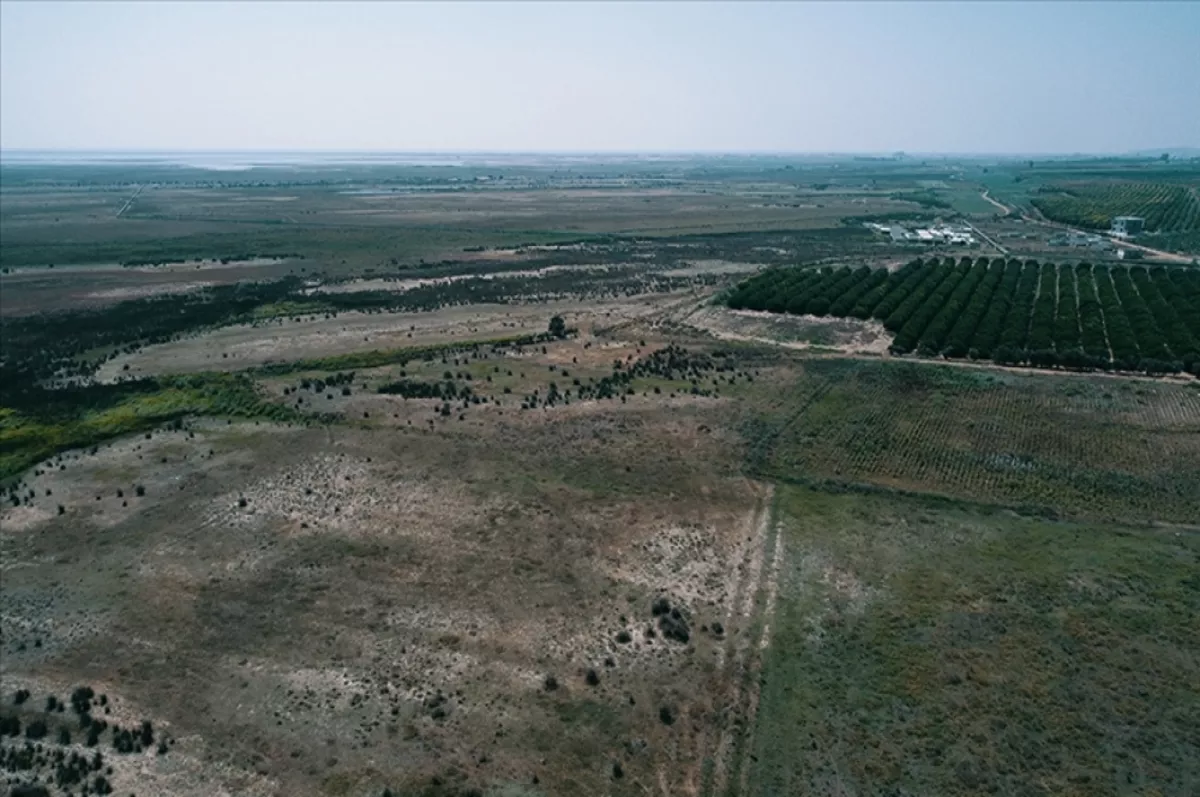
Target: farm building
1127, 226
1078, 239
933, 235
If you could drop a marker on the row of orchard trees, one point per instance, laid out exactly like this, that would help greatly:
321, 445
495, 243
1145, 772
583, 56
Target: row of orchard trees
1164, 206
1072, 316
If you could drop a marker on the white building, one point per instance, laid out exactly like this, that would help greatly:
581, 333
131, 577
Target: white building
1127, 226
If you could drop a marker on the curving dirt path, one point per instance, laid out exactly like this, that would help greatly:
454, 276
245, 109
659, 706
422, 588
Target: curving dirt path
1004, 209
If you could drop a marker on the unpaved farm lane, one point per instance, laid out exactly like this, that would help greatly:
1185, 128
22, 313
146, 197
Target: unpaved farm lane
727, 739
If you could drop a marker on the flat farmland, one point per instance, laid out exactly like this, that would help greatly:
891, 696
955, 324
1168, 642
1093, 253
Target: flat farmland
657, 211
285, 339
584, 479
1089, 447
924, 647
42, 290
160, 222
304, 611
36, 206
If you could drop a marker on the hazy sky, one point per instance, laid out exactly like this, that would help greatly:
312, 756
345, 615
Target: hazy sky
877, 77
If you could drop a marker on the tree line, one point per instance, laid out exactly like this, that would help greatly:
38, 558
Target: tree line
1043, 314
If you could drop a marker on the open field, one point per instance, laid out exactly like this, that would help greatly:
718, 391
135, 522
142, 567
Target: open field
242, 346
601, 506
315, 613
921, 647
1076, 446
32, 290
549, 517
373, 218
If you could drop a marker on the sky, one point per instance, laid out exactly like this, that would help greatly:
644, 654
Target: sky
1025, 77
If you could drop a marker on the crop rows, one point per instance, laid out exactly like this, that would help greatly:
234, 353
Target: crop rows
1012, 312
1166, 208
1024, 442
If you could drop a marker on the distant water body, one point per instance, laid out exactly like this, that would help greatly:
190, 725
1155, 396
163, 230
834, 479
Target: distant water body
230, 160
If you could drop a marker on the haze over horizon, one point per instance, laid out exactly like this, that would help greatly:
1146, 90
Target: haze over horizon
1078, 78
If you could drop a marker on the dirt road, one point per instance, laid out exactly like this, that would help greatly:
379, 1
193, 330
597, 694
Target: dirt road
747, 624
1002, 250
129, 201
1003, 208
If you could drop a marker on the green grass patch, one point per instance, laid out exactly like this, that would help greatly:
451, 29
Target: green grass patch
290, 308
920, 648
377, 358
84, 416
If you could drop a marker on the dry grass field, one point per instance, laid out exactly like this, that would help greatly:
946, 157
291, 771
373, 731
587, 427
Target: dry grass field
353, 226
42, 290
382, 604
285, 339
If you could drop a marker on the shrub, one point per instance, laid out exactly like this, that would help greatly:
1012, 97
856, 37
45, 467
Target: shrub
10, 726
35, 729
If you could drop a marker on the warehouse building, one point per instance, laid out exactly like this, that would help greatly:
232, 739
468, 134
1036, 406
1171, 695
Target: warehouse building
1127, 226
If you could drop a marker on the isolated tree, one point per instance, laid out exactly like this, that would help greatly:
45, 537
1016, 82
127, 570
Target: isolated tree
558, 327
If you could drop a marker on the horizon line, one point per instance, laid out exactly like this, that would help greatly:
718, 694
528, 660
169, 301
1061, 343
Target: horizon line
768, 152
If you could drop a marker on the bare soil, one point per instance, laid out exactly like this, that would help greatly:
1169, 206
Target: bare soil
845, 335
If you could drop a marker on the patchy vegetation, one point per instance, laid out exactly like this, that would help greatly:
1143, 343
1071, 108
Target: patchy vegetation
45, 422
926, 648
1072, 446
495, 503
47, 762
